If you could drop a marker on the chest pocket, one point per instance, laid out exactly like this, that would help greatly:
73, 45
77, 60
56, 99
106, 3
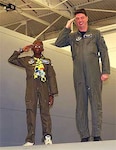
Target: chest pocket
80, 44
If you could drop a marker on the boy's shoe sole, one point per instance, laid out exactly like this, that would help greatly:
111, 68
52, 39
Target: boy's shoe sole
28, 144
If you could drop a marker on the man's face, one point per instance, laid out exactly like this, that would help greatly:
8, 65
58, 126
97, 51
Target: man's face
37, 47
81, 20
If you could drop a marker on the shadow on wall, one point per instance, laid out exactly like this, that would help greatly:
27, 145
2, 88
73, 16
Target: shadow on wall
12, 94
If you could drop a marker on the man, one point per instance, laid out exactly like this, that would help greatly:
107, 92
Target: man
87, 47
40, 83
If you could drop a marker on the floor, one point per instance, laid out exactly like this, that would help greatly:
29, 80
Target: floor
102, 145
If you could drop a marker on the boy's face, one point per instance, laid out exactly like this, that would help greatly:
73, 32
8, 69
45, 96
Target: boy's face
37, 47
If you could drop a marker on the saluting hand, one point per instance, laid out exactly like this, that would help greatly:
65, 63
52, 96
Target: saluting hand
27, 48
69, 23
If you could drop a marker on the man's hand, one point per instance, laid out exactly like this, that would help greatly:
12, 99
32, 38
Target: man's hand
51, 100
104, 77
69, 23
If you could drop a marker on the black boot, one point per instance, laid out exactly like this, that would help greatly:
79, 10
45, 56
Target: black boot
85, 139
97, 138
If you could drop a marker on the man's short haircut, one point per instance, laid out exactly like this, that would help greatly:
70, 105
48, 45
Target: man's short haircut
78, 11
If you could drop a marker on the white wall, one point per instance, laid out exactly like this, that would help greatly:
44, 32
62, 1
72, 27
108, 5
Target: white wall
12, 91
110, 39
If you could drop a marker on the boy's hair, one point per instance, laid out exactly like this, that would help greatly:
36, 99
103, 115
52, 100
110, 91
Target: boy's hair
38, 40
78, 11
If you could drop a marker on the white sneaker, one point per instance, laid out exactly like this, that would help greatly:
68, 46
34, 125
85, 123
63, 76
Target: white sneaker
47, 140
28, 144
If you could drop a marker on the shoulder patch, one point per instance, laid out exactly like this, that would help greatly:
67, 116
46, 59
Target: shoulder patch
46, 61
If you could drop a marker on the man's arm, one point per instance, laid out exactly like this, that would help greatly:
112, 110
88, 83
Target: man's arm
52, 83
53, 89
63, 38
104, 57
14, 59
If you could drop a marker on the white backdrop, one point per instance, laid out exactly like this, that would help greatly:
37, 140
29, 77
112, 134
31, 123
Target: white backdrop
12, 93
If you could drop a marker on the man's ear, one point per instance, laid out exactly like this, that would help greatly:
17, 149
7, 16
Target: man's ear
87, 18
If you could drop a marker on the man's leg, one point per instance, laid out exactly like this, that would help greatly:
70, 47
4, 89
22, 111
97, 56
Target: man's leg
82, 111
31, 110
45, 118
96, 109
